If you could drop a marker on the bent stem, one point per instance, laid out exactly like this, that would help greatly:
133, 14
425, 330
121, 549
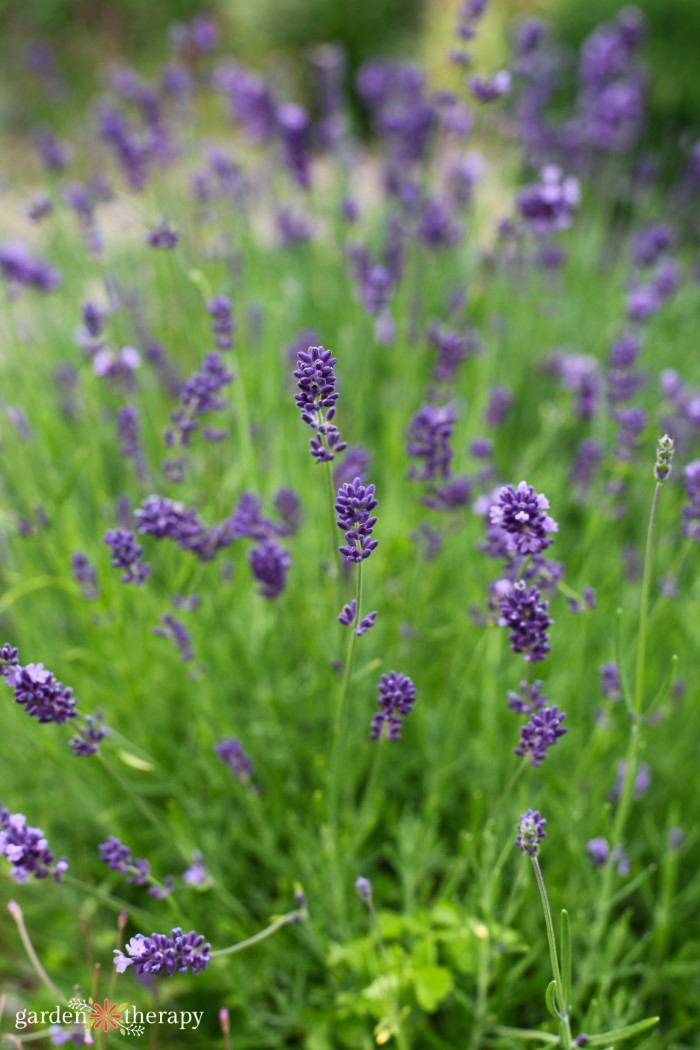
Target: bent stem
283, 920
563, 1006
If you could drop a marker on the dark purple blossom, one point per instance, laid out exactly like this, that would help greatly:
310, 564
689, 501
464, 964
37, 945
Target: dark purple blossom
500, 404
650, 244
176, 630
540, 733
26, 849
93, 319
353, 506
222, 325
530, 832
89, 736
38, 691
397, 695
529, 699
163, 954
164, 235
429, 440
126, 554
488, 89
293, 126
347, 618
598, 851
550, 204
118, 857
230, 751
316, 400
128, 435
528, 619
85, 575
520, 513
269, 564
18, 266
39, 207
198, 397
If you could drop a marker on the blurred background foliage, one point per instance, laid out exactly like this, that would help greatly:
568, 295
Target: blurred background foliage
277, 35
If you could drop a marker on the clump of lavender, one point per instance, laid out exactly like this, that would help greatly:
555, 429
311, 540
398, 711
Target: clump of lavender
540, 733
198, 397
520, 513
85, 575
354, 505
316, 399
22, 269
26, 849
162, 954
530, 832
126, 554
89, 736
118, 857
288, 507
222, 325
230, 751
178, 633
397, 695
269, 564
38, 691
527, 616
293, 127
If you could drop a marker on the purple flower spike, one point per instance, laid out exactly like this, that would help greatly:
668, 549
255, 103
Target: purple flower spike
397, 695
347, 616
527, 616
159, 953
89, 737
37, 690
598, 851
353, 506
365, 624
269, 563
230, 751
530, 832
126, 554
430, 435
521, 514
316, 400
488, 89
164, 236
529, 699
222, 324
26, 849
541, 732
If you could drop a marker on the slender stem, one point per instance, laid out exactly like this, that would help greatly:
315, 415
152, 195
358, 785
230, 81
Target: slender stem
284, 920
341, 717
644, 605
626, 793
331, 509
370, 789
16, 913
564, 1027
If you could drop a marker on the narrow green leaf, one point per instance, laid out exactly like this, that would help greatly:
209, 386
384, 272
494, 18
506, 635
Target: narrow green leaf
666, 684
623, 1033
565, 958
551, 1000
527, 1035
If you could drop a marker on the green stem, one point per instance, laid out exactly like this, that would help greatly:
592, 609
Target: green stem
564, 1027
284, 920
626, 794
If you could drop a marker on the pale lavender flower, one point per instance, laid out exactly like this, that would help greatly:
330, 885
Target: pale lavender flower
530, 832
162, 954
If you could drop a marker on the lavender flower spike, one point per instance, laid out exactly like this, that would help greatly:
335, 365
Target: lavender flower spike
397, 695
316, 400
664, 457
521, 514
26, 849
37, 690
353, 505
165, 954
540, 733
522, 610
530, 832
